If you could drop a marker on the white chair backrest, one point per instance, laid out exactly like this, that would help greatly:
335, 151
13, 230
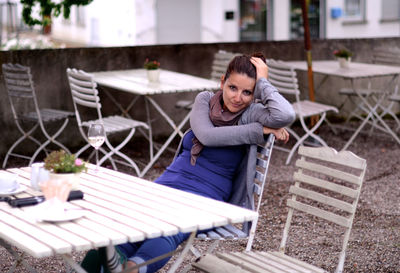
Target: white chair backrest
283, 77
327, 185
83, 88
390, 56
262, 164
21, 91
260, 179
18, 80
220, 64
84, 92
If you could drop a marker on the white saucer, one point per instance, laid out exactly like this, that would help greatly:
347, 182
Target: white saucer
20, 189
67, 215
46, 214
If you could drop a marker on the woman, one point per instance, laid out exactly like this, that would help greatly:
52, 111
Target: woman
224, 125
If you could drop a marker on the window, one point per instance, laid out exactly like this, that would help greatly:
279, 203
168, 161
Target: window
390, 10
354, 10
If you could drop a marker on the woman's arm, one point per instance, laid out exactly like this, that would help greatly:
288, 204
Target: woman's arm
209, 135
273, 110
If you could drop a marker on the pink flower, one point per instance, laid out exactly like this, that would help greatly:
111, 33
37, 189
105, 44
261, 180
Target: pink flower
78, 162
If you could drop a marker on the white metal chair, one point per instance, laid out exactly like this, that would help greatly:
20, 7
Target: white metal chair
379, 56
218, 68
220, 63
27, 115
85, 95
327, 186
284, 78
246, 232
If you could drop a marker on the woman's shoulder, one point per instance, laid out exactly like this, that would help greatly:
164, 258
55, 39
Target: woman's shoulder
205, 95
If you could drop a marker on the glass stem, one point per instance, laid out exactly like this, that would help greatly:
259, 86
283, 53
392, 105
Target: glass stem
97, 159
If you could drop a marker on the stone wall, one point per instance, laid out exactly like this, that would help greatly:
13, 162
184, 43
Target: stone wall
49, 66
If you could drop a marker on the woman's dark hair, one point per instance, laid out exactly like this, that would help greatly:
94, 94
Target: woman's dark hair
242, 65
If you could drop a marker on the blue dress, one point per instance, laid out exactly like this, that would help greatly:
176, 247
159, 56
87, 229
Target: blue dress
211, 176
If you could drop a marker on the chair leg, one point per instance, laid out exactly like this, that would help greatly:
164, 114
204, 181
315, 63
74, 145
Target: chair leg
122, 155
358, 110
81, 150
309, 132
19, 259
179, 260
51, 139
388, 110
25, 135
331, 126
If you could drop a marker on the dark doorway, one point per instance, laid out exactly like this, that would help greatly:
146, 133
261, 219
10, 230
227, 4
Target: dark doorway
296, 20
253, 20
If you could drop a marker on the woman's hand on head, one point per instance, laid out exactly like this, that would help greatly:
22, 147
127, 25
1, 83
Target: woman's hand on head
280, 133
261, 67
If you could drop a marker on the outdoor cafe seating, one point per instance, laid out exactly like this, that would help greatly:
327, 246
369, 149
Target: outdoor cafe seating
360, 109
248, 230
86, 96
29, 117
326, 189
284, 78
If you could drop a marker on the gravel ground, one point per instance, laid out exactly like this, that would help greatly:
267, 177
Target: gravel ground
374, 244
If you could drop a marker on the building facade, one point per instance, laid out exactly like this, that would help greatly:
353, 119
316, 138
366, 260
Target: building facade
144, 22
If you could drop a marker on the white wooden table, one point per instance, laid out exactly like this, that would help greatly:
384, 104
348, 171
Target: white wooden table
354, 72
135, 82
117, 208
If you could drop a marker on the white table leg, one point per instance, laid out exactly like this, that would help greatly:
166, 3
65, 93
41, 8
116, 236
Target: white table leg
165, 116
372, 113
165, 145
18, 258
177, 131
68, 259
185, 250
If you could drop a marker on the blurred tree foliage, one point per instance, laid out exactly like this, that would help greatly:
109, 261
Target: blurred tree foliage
48, 9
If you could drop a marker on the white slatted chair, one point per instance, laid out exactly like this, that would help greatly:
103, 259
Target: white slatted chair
230, 232
220, 63
327, 186
218, 68
85, 96
395, 98
27, 115
284, 78
380, 56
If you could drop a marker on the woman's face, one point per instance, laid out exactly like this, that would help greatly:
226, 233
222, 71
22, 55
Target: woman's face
238, 91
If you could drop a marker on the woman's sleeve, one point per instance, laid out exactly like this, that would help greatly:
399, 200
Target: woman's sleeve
274, 111
209, 135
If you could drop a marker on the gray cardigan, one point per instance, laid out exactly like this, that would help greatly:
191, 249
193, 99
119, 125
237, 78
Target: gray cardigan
273, 111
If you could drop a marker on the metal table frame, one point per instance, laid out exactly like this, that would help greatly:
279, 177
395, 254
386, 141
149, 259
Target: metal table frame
354, 72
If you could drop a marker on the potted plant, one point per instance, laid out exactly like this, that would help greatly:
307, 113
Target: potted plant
153, 71
343, 56
64, 166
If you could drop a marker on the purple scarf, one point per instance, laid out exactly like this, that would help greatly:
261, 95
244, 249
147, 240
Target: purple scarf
219, 117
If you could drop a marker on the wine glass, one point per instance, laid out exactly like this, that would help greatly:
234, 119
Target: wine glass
96, 137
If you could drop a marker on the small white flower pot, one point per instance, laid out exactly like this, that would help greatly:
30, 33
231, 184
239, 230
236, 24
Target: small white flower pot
153, 75
343, 62
72, 178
